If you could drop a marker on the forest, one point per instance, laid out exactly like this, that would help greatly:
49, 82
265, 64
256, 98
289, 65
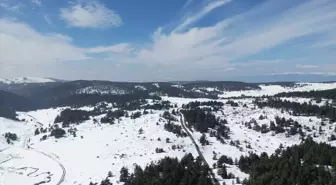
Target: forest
216, 105
326, 94
200, 119
305, 109
69, 116
309, 163
168, 171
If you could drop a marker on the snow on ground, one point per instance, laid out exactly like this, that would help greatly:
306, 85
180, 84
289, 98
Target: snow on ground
4, 80
156, 85
178, 86
307, 100
22, 166
45, 117
274, 89
99, 148
251, 140
180, 101
110, 147
140, 87
24, 80
208, 89
101, 89
7, 125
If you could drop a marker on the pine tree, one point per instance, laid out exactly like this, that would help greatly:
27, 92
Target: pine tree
124, 175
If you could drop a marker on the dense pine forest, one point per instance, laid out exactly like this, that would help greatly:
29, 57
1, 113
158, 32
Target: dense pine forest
201, 119
309, 163
168, 171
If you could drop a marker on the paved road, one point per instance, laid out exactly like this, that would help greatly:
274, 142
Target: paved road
213, 177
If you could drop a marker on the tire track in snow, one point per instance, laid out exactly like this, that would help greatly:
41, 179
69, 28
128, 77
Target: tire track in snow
27, 147
59, 164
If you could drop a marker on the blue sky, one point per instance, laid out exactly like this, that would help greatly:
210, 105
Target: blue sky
156, 40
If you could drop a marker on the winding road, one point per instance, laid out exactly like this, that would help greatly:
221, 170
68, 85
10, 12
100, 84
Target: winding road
211, 173
26, 146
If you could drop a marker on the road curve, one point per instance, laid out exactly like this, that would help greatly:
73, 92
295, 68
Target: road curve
59, 164
213, 177
27, 147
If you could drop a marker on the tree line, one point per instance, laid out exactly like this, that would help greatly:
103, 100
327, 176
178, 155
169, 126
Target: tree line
326, 94
216, 105
167, 171
297, 109
309, 163
201, 119
69, 116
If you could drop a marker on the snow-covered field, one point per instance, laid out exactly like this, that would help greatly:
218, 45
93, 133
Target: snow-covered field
274, 89
23, 166
100, 148
250, 140
307, 100
20, 128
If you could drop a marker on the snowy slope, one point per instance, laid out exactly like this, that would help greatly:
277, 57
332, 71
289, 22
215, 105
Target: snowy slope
101, 89
99, 148
24, 80
28, 167
274, 89
20, 128
4, 80
103, 148
251, 140
107, 147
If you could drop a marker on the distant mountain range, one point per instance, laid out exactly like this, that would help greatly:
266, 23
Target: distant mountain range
247, 79
287, 78
26, 80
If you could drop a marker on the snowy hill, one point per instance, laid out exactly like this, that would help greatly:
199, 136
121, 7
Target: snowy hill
26, 80
113, 125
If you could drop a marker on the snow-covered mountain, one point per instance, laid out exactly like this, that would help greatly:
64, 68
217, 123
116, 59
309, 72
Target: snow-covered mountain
26, 80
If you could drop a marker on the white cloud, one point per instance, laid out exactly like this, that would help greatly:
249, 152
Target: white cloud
235, 37
228, 69
312, 17
12, 7
328, 42
22, 45
48, 20
117, 48
204, 11
90, 15
306, 66
306, 73
37, 2
189, 53
195, 46
208, 48
188, 2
